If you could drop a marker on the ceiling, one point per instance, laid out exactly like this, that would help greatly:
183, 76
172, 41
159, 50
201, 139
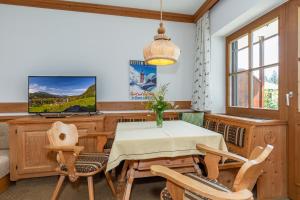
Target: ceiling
176, 6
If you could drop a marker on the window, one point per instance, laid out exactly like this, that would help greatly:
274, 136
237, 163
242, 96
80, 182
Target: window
254, 68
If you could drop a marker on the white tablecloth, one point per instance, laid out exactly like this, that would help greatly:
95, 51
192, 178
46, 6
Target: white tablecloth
143, 140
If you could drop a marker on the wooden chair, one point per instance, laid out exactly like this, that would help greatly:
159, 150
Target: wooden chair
63, 139
193, 187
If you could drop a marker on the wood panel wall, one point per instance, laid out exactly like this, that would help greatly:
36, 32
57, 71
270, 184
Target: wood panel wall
101, 106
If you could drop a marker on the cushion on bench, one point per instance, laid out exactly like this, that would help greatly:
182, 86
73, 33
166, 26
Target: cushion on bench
210, 125
232, 134
4, 163
3, 136
193, 118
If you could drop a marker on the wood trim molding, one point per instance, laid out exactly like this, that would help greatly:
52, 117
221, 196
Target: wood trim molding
255, 24
113, 10
101, 106
135, 105
209, 4
100, 9
253, 112
13, 107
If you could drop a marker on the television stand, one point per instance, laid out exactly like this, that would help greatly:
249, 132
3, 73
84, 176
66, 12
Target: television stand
55, 116
64, 115
49, 116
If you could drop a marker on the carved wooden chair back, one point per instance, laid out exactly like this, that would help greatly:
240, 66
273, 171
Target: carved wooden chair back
252, 169
62, 134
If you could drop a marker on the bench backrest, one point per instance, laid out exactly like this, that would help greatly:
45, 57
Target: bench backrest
237, 136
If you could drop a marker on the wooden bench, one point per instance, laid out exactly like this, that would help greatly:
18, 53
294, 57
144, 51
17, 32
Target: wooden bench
242, 135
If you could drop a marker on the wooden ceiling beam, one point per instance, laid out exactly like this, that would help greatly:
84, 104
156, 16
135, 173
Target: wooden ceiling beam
100, 9
208, 4
113, 10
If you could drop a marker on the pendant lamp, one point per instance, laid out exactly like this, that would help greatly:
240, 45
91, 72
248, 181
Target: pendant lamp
161, 51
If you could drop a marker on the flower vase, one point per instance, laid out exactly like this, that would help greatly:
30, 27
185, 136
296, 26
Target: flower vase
159, 119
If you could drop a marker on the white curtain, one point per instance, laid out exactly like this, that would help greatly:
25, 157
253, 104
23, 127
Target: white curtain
201, 98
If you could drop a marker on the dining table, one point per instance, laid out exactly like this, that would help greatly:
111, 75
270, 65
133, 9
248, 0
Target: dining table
142, 144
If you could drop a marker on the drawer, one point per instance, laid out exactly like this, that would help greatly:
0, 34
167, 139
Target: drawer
87, 126
168, 162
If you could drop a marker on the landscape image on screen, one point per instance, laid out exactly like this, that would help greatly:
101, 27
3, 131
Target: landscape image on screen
62, 94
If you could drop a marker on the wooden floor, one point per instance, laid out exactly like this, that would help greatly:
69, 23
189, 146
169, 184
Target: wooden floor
42, 188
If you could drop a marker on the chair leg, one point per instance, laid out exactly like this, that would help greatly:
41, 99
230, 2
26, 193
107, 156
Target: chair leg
58, 186
91, 187
110, 183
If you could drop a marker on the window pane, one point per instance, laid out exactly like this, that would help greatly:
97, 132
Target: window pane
265, 88
240, 55
266, 31
255, 56
256, 89
243, 42
243, 60
271, 51
239, 89
271, 88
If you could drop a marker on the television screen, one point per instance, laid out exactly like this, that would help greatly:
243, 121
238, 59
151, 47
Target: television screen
56, 94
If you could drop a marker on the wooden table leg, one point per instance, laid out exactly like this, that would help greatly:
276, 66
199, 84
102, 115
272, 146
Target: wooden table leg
121, 180
130, 179
124, 171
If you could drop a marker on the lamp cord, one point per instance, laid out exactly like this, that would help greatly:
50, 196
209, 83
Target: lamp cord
161, 4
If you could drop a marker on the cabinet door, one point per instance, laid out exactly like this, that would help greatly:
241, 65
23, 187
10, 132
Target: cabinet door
32, 156
89, 143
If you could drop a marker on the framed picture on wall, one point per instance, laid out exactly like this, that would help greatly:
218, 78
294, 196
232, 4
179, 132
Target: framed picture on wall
142, 80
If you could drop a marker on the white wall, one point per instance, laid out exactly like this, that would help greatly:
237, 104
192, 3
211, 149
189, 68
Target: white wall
217, 83
37, 41
230, 15
226, 17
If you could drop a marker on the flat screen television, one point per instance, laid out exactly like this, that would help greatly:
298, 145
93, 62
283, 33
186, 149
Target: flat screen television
61, 94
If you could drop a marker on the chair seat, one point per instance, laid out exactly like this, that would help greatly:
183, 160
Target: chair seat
165, 195
89, 162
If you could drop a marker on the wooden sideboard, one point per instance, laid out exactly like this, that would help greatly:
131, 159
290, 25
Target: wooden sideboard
27, 139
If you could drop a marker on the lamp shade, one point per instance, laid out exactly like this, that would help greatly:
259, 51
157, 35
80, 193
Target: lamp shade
161, 51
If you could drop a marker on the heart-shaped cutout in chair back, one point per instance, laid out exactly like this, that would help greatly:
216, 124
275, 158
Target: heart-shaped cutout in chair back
62, 134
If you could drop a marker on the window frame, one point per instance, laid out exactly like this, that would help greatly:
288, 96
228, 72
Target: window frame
250, 111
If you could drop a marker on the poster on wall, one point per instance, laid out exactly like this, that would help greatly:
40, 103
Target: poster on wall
142, 80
